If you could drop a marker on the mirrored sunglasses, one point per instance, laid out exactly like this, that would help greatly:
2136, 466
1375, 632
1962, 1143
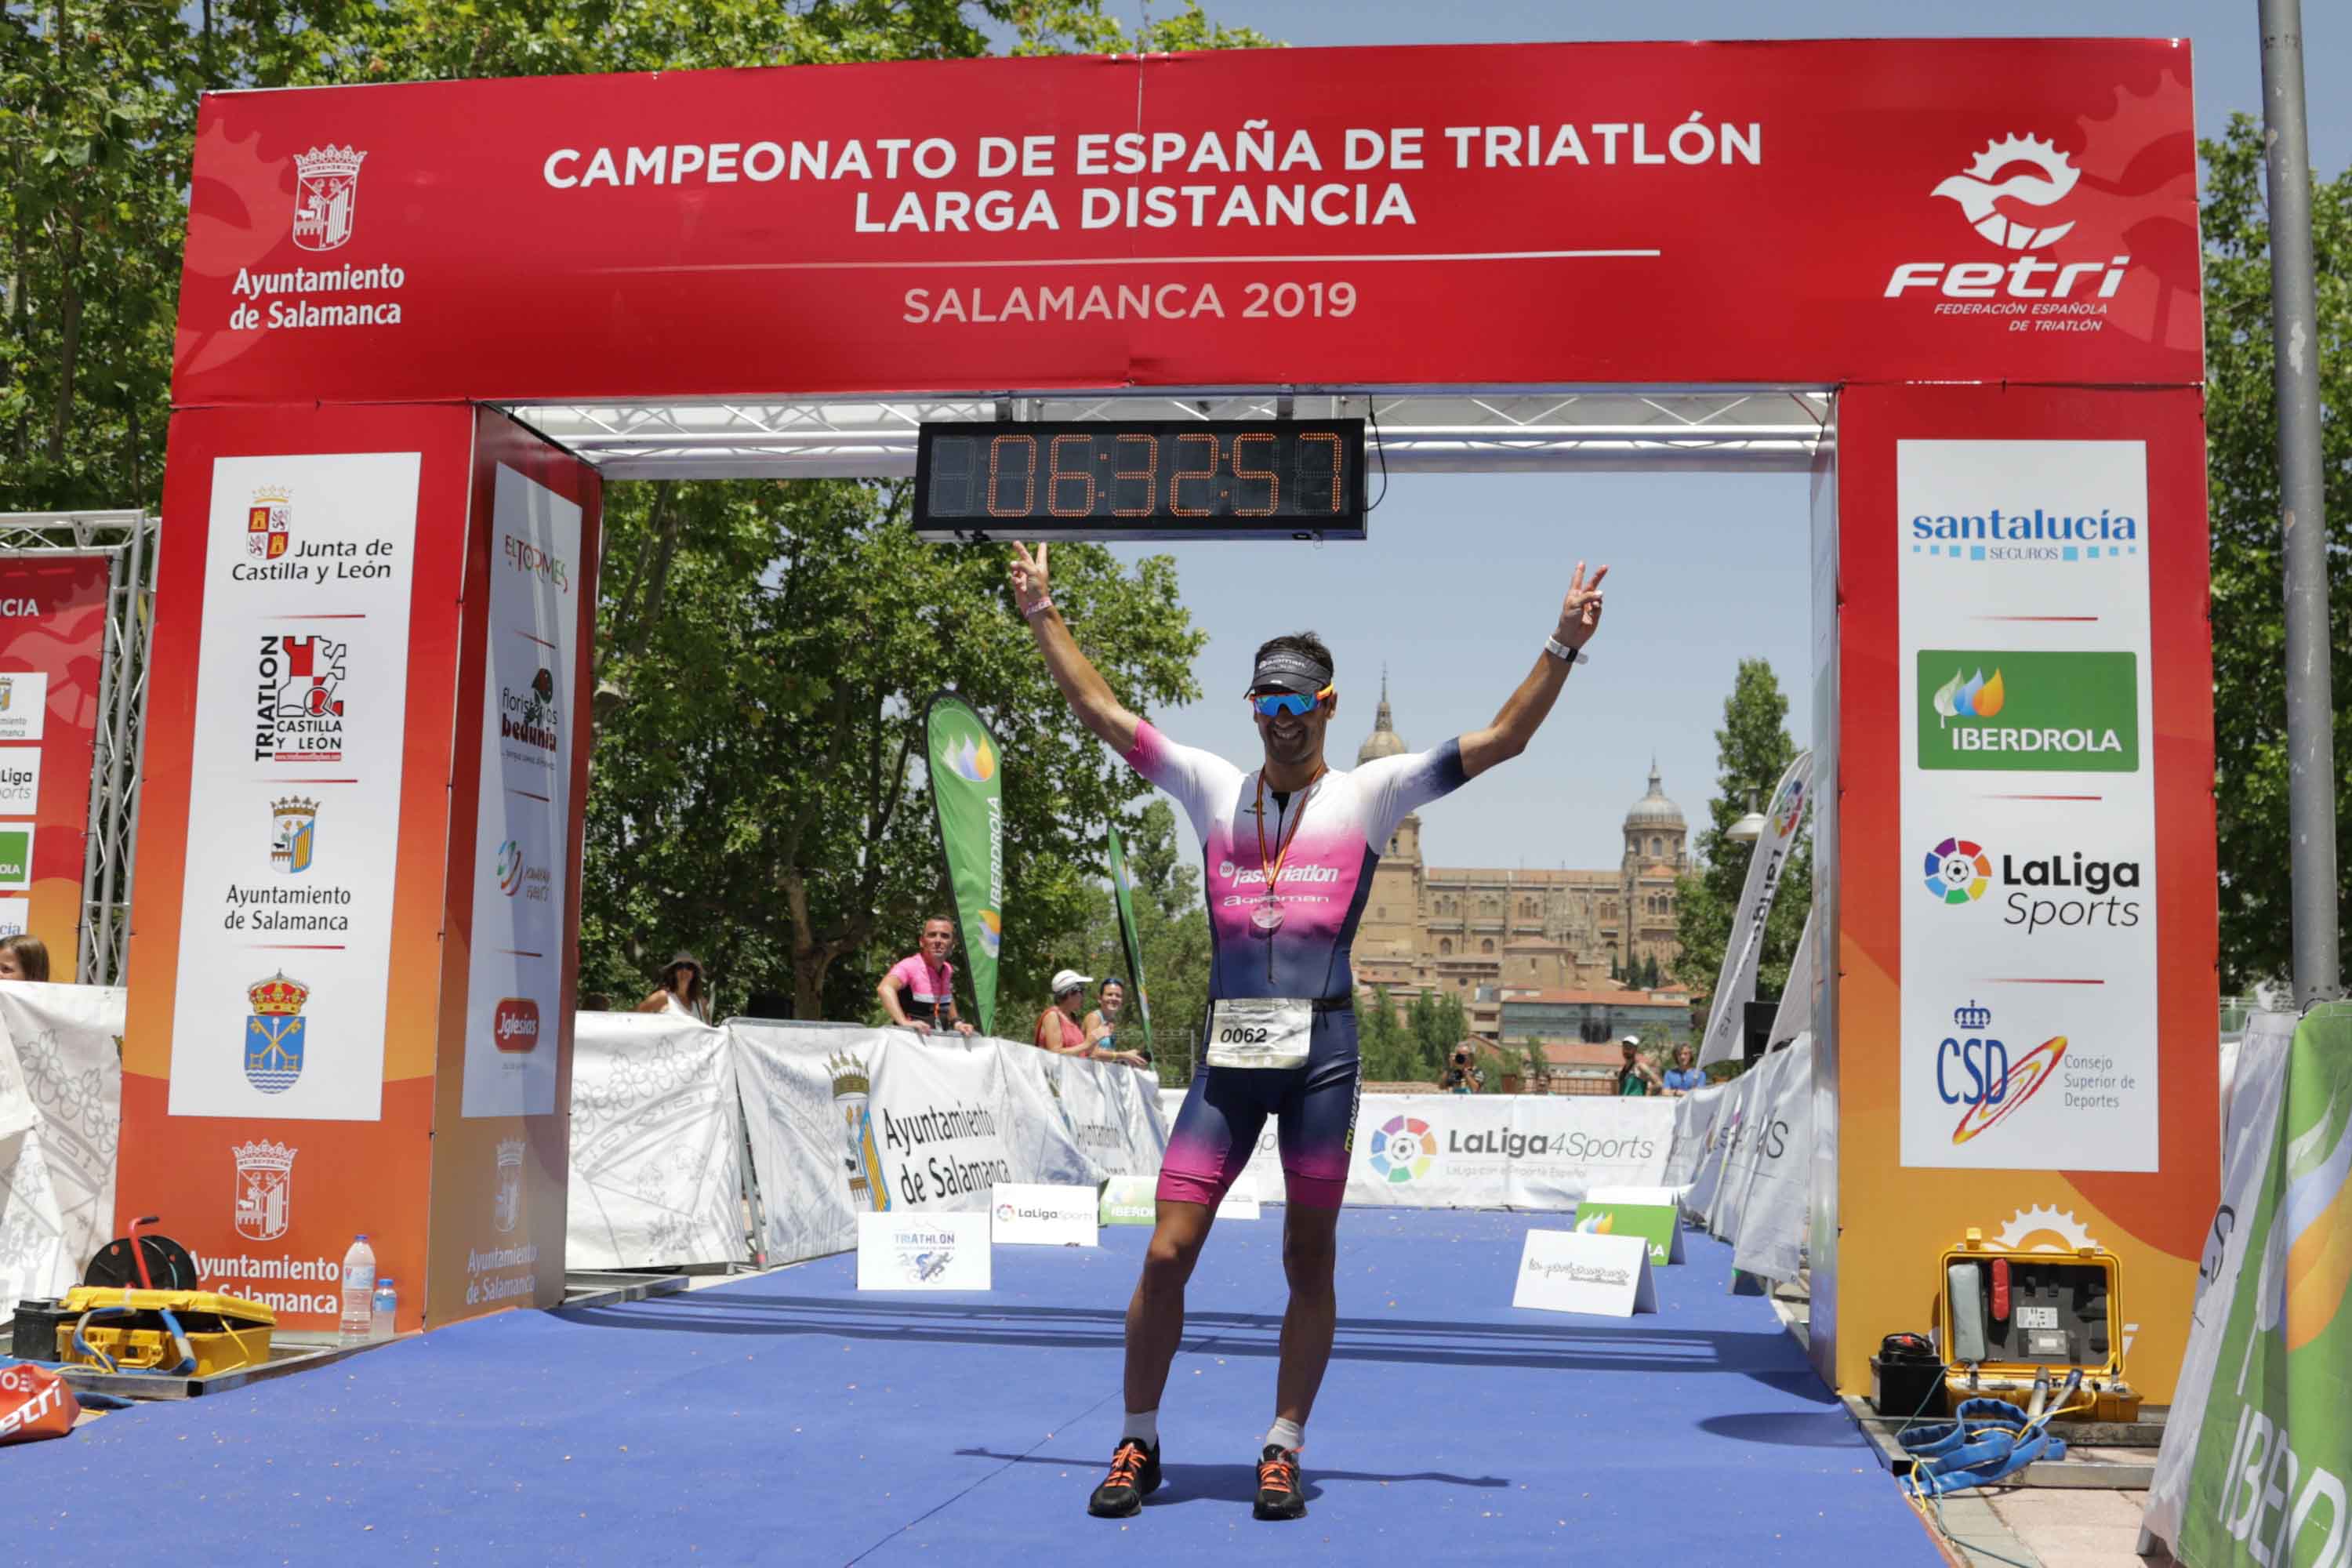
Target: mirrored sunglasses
1274, 704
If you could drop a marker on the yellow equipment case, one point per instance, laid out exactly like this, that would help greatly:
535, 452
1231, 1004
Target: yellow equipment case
129, 1329
2012, 1324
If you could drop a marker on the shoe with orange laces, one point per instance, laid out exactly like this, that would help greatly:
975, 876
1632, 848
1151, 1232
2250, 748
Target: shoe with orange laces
1134, 1475
1280, 1493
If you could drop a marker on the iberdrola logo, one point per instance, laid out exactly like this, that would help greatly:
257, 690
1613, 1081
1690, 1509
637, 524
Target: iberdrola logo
972, 758
992, 933
1975, 698
1599, 1224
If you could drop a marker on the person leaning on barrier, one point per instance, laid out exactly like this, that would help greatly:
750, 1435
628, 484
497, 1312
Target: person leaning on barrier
1058, 1029
682, 991
1101, 1026
919, 991
1637, 1076
1682, 1077
24, 957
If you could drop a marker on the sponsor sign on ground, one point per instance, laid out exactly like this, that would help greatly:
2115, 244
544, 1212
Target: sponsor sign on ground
1575, 1271
1042, 1216
936, 1251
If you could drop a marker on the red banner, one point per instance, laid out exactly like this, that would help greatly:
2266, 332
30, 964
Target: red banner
53, 608
1811, 212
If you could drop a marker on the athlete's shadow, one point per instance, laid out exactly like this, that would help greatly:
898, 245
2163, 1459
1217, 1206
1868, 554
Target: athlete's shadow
1181, 1483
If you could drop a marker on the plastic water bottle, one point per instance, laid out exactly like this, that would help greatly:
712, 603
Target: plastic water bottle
359, 1292
385, 1320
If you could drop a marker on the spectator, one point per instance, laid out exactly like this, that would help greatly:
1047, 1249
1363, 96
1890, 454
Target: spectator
681, 991
1637, 1076
24, 957
1463, 1075
1683, 1077
919, 991
1058, 1028
1102, 1026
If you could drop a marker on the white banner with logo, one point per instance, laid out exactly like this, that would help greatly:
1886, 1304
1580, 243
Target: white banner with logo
1736, 986
2248, 1135
1485, 1150
1695, 1116
657, 1148
1759, 1137
1772, 1223
60, 1045
522, 821
849, 1121
1722, 1136
2029, 893
294, 788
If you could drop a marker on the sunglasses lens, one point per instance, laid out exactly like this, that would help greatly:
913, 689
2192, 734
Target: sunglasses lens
1278, 704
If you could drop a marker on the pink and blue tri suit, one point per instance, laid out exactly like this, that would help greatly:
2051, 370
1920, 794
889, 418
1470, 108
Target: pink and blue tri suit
1342, 825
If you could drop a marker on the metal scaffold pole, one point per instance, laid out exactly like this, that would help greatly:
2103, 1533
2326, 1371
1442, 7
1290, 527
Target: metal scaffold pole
2310, 707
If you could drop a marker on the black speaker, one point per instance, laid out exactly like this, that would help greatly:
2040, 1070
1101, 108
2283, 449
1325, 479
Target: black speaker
1756, 1031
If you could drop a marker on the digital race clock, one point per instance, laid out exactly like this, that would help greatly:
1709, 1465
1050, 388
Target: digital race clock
1221, 478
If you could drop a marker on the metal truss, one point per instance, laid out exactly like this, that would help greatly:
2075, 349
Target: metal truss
129, 540
1751, 430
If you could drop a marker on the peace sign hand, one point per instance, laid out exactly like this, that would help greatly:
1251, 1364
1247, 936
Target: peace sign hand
1028, 574
1580, 613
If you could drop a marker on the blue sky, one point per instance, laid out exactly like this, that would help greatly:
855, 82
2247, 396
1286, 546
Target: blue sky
1460, 581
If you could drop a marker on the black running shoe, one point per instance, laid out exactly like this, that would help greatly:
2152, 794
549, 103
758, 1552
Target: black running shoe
1134, 1475
1279, 1493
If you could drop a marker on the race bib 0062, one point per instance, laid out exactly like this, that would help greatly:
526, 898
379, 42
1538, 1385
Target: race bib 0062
1260, 1031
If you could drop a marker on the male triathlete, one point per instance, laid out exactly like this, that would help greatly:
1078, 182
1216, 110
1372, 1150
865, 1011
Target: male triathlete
1290, 849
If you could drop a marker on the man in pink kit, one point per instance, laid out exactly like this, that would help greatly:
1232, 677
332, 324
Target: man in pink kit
1290, 849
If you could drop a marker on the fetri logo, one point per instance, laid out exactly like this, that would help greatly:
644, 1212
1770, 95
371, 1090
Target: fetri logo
1999, 193
1403, 1149
514, 1025
1958, 872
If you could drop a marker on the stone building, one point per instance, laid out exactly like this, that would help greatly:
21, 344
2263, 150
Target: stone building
1473, 932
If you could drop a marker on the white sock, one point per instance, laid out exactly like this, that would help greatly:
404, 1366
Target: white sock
1143, 1425
1290, 1434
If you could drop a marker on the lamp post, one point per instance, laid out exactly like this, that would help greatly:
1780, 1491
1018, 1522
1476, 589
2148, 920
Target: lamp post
1749, 829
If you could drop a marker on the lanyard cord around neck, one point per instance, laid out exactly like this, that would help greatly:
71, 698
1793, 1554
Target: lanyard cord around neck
1288, 836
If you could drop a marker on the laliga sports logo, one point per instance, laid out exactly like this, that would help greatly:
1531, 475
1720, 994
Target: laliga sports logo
1786, 807
1403, 1149
1958, 872
2015, 169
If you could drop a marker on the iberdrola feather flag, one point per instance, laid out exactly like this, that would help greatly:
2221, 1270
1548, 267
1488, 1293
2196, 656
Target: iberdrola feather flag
967, 770
1123, 893
1736, 986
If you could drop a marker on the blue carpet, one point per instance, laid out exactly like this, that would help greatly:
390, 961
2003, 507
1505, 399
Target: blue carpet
784, 1418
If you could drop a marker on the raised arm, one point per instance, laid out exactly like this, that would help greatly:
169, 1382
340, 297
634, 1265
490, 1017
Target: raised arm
1516, 725
1090, 696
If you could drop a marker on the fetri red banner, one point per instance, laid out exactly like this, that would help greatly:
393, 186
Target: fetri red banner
1810, 212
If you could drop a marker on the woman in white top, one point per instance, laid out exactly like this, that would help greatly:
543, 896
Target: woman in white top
681, 991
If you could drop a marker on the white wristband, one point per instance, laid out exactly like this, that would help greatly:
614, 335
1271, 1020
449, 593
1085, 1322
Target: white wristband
1039, 608
1561, 650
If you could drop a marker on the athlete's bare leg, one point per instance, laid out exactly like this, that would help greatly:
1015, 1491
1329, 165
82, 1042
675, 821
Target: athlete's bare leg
1155, 1317
1309, 1253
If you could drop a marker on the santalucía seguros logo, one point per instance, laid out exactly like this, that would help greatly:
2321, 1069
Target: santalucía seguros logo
1958, 872
1402, 1148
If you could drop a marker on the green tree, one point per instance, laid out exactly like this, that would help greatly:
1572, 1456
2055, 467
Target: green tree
1381, 1040
2249, 622
1752, 750
760, 792
1171, 928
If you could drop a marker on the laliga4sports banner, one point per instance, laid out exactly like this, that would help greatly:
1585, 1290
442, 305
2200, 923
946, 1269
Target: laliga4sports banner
52, 641
1810, 211
968, 791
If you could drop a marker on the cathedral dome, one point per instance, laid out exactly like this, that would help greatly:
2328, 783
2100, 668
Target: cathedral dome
1653, 809
1383, 742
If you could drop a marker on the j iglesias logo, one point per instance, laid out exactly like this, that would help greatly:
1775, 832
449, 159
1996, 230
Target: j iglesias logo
514, 1025
2000, 195
2063, 889
1975, 1071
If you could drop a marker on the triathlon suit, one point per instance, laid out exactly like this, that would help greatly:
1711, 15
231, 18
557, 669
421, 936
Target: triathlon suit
1343, 823
925, 993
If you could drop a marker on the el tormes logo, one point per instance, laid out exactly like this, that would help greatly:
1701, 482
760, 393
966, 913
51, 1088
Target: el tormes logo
2063, 890
1975, 1071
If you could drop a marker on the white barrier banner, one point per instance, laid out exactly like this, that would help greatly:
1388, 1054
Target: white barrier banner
2251, 1129
1772, 1223
1485, 1150
1749, 1139
657, 1163
1722, 1137
57, 1176
1736, 985
846, 1122
1693, 1119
